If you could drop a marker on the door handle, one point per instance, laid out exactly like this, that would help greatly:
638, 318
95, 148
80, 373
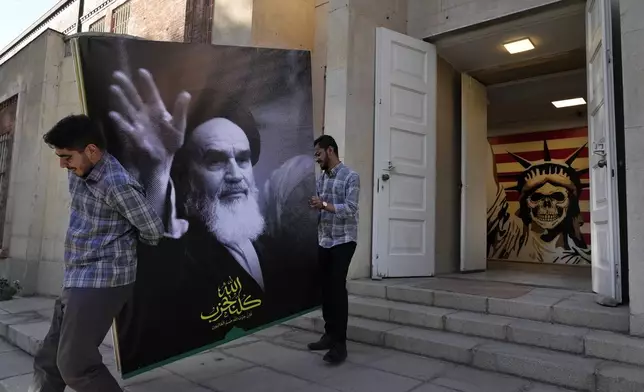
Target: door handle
389, 167
602, 162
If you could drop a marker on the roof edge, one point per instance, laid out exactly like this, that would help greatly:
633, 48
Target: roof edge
34, 26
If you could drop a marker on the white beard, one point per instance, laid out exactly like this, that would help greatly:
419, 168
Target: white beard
230, 222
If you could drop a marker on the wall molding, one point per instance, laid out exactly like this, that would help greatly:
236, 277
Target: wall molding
96, 10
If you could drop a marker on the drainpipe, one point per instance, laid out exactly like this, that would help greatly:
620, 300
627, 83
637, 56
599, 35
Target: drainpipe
81, 10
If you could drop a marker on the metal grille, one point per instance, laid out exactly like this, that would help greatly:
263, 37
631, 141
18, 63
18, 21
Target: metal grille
8, 110
98, 26
199, 19
120, 19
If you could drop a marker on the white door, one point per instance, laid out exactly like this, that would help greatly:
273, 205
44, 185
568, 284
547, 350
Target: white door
603, 163
404, 157
474, 156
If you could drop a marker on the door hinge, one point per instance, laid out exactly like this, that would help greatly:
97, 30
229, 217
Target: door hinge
616, 272
609, 56
380, 101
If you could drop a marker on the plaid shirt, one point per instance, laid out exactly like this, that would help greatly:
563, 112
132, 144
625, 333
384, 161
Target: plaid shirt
108, 212
341, 188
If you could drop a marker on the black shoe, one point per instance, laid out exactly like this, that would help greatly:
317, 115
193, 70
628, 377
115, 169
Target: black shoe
324, 343
336, 355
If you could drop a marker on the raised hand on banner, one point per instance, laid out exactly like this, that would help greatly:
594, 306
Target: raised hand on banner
151, 137
143, 119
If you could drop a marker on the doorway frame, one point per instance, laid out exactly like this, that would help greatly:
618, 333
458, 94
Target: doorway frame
619, 122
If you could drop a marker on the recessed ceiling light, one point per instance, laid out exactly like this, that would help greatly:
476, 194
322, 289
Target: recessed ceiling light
519, 46
569, 102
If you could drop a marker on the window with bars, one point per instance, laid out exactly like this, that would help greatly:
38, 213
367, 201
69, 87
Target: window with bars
199, 19
120, 18
8, 110
98, 26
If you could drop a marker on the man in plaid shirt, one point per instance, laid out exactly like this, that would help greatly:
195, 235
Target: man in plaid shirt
338, 189
109, 213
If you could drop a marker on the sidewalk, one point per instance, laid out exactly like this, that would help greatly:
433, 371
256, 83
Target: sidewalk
273, 360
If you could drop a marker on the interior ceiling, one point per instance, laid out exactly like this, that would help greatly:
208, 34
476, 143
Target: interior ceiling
558, 35
529, 102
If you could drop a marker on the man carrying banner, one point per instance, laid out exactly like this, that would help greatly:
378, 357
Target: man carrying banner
338, 189
108, 212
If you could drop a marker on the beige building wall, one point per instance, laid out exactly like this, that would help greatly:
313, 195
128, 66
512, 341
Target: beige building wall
351, 80
283, 24
36, 204
57, 198
633, 84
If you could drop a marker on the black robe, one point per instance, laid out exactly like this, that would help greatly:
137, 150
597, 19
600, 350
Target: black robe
178, 281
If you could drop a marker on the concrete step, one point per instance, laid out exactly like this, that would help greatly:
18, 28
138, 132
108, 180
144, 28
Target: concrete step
539, 304
542, 365
24, 322
583, 341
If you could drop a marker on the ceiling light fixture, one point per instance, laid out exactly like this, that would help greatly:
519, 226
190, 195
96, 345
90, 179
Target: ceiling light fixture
519, 46
569, 102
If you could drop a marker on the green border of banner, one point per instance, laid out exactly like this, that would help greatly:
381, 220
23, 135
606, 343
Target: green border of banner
234, 334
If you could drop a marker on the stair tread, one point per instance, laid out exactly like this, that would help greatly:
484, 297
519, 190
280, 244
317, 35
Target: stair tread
458, 339
566, 299
562, 307
493, 318
563, 369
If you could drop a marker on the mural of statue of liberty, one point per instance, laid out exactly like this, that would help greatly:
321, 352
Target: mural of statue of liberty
547, 225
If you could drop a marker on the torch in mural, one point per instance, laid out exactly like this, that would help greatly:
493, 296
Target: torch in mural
547, 224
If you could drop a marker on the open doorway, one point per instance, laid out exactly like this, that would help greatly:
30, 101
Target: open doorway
557, 194
541, 175
529, 147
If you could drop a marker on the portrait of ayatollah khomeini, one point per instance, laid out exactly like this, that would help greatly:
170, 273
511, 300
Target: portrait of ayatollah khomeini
266, 246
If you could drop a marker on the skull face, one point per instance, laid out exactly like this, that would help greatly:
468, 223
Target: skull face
549, 205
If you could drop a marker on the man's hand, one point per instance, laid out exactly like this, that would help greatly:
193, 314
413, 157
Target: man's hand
144, 122
316, 203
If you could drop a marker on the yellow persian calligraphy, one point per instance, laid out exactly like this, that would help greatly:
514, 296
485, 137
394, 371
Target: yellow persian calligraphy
231, 303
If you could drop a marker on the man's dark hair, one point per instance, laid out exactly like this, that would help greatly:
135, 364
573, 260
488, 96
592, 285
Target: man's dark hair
326, 141
75, 132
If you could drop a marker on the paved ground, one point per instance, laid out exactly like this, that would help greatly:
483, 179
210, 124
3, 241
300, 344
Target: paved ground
277, 360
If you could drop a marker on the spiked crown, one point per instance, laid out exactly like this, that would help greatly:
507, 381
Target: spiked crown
558, 172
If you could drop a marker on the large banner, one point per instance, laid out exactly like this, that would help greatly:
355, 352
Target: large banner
222, 139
